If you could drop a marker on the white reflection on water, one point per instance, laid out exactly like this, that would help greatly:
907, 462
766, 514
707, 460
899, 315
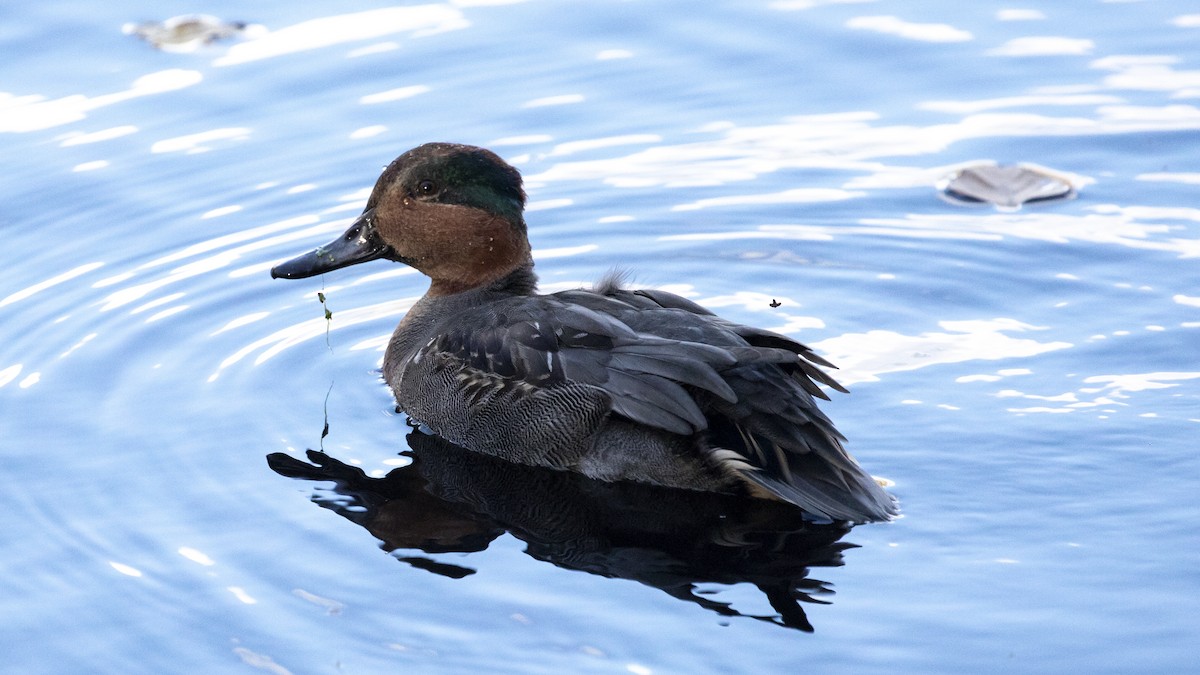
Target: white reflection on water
1185, 178
34, 113
199, 142
1046, 45
368, 132
922, 32
397, 94
331, 606
74, 138
1040, 99
377, 48
1019, 15
198, 557
611, 54
862, 357
994, 377
545, 204
10, 373
73, 348
560, 99
259, 661
136, 292
240, 321
529, 139
166, 313
157, 302
563, 251
1109, 224
1149, 73
30, 291
220, 211
127, 570
242, 596
795, 5
793, 196
416, 20
573, 147
1110, 391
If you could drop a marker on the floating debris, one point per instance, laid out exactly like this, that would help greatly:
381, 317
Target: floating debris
328, 313
189, 32
328, 318
1006, 186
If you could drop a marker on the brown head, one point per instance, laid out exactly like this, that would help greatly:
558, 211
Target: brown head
454, 212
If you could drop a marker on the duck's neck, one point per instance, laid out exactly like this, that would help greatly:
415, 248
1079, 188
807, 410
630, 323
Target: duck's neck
518, 281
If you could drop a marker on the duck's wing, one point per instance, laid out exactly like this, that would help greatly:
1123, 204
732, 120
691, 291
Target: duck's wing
780, 440
542, 342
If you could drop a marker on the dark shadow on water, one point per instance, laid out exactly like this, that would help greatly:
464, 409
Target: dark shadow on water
452, 500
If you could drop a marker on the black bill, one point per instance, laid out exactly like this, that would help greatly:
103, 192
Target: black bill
359, 244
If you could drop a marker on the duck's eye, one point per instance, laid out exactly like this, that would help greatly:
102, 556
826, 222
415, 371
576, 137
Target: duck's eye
426, 188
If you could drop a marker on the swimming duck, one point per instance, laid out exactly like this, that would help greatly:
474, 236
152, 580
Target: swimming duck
614, 383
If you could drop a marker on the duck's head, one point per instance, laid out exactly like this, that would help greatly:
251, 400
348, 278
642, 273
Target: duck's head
453, 212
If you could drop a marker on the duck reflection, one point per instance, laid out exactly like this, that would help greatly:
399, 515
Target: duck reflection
452, 500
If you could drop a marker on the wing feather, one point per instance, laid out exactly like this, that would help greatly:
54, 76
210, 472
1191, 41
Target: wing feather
543, 342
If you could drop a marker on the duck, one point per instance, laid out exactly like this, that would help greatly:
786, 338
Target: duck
615, 383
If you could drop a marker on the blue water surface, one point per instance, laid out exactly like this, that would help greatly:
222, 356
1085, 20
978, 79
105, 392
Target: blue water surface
1027, 379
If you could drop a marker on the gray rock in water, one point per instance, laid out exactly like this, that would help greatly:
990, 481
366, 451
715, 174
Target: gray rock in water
1005, 186
185, 33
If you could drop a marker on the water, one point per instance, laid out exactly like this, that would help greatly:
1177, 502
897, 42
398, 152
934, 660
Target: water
1028, 379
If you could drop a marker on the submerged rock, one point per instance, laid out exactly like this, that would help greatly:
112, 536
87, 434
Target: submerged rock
1006, 186
186, 33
